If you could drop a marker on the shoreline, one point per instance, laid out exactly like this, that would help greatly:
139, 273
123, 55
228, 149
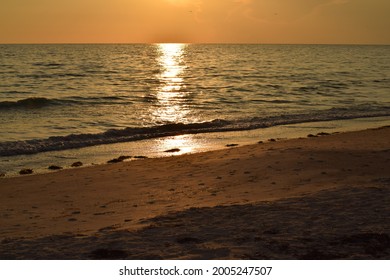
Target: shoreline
306, 198
183, 144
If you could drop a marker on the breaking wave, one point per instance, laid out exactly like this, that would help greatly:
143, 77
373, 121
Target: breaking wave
57, 143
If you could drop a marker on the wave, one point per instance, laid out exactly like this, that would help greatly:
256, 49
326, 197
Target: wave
51, 75
48, 64
57, 143
28, 103
40, 102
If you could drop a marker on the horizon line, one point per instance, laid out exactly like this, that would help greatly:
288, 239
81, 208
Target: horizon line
196, 43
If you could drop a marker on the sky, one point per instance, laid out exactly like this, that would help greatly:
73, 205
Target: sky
195, 21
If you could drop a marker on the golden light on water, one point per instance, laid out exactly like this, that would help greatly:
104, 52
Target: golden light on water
171, 105
186, 144
172, 96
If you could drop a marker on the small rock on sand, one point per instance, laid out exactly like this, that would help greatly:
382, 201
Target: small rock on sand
2, 174
119, 159
77, 164
26, 171
231, 145
323, 134
124, 157
54, 167
172, 150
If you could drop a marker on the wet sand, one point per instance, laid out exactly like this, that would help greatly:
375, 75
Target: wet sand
321, 197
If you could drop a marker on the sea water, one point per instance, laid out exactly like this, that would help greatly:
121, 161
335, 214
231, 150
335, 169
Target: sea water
61, 97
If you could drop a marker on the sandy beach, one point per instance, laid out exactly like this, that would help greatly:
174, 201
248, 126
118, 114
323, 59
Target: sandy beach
320, 197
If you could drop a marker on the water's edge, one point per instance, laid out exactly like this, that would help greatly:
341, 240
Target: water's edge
73, 141
184, 143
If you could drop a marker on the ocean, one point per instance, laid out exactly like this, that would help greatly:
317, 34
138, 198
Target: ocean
63, 97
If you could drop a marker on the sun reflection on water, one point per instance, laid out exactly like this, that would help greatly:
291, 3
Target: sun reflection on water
171, 105
185, 144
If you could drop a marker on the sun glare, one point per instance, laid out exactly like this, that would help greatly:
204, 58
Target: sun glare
185, 143
171, 92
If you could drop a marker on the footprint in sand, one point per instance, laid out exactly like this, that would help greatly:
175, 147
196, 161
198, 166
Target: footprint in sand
103, 213
109, 228
188, 240
108, 254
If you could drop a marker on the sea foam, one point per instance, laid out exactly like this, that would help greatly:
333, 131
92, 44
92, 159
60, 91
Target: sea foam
57, 143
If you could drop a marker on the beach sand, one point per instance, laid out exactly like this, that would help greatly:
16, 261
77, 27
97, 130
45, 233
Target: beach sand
322, 197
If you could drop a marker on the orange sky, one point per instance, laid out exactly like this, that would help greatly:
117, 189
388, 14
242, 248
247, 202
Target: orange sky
196, 21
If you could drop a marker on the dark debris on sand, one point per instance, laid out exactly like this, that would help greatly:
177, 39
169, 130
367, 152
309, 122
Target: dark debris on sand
77, 164
172, 150
231, 145
323, 134
119, 159
26, 171
54, 167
